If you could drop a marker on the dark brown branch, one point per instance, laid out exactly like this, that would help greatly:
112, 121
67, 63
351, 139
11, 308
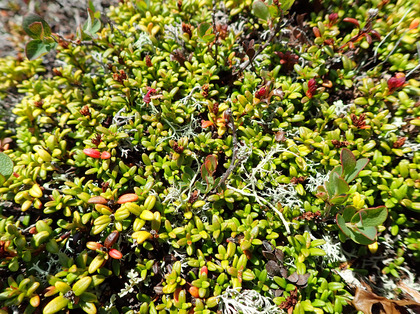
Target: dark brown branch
79, 42
273, 34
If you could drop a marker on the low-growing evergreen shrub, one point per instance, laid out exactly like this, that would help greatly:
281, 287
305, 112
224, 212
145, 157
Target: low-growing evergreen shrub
212, 157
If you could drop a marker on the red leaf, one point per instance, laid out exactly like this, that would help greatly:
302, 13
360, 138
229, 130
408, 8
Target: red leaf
147, 97
204, 270
115, 254
105, 155
91, 152
194, 291
130, 197
368, 38
333, 17
352, 20
205, 124
375, 34
311, 88
414, 24
261, 92
395, 82
97, 200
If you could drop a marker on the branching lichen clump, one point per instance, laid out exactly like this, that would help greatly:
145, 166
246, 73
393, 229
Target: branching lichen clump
185, 158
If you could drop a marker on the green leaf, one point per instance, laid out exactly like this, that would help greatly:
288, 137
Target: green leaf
342, 186
357, 232
88, 307
209, 38
322, 193
211, 164
201, 187
91, 6
336, 185
88, 24
348, 161
274, 10
37, 29
37, 48
330, 188
314, 251
360, 164
356, 219
205, 32
204, 172
80, 33
92, 25
286, 4
32, 29
300, 268
204, 29
372, 217
365, 235
339, 199
342, 237
334, 286
6, 165
55, 305
96, 26
209, 181
338, 170
260, 10
342, 225
349, 212
2, 180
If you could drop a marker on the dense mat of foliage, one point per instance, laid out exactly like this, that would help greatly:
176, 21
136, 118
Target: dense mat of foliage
189, 156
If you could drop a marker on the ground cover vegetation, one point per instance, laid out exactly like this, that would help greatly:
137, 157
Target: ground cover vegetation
188, 156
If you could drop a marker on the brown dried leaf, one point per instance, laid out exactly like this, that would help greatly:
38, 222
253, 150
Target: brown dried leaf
369, 303
269, 255
97, 200
303, 280
279, 255
267, 245
410, 291
283, 272
293, 278
273, 269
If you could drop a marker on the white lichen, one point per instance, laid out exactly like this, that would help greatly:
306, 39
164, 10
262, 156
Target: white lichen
109, 305
397, 121
120, 120
243, 152
333, 250
144, 41
133, 280
53, 266
284, 194
349, 277
234, 301
341, 108
415, 147
174, 32
314, 181
260, 183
